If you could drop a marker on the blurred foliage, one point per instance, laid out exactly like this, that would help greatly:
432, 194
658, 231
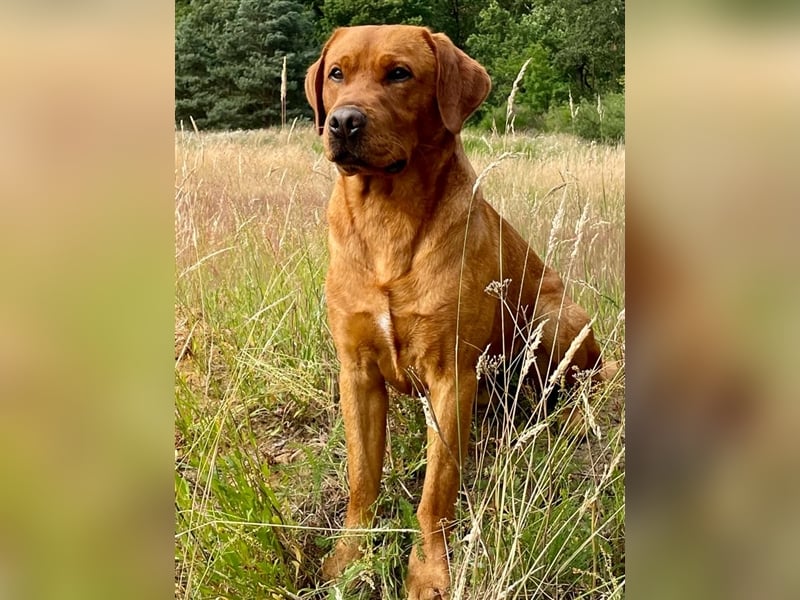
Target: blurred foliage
229, 53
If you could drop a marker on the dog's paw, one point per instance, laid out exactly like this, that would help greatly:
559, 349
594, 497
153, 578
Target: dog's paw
428, 593
428, 579
347, 551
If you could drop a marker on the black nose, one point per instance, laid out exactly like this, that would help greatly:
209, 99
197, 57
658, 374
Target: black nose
346, 122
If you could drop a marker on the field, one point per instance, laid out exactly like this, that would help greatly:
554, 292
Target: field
260, 486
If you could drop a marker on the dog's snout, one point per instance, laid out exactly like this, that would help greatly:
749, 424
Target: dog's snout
346, 122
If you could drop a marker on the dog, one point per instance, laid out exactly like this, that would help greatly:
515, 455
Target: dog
413, 248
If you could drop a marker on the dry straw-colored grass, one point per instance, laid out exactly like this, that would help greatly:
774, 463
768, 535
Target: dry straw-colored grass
277, 181
255, 375
550, 170
270, 180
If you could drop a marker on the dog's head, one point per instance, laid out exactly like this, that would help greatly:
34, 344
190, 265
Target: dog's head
378, 92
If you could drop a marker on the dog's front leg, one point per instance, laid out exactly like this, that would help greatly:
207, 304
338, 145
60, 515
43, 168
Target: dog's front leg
451, 404
364, 404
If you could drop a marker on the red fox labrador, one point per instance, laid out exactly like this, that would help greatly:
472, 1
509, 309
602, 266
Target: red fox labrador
412, 250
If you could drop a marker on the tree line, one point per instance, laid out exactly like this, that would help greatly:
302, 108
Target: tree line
229, 55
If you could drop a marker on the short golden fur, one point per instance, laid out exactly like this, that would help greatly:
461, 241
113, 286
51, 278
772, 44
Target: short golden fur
412, 250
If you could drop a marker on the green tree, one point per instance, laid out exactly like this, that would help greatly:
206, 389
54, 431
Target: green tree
229, 53
502, 42
197, 35
341, 13
574, 46
586, 40
453, 17
228, 60
182, 8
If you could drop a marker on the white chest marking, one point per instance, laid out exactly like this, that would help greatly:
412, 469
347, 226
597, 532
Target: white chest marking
384, 321
386, 328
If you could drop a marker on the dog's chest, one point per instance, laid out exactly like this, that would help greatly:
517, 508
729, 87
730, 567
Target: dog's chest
387, 255
408, 337
389, 287
397, 356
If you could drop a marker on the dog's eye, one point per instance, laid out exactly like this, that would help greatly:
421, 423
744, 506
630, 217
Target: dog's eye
398, 74
336, 74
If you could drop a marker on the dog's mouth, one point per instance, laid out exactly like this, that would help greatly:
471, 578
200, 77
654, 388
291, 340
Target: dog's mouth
396, 167
351, 164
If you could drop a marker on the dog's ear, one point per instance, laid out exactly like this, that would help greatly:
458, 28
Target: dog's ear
314, 81
461, 83
315, 77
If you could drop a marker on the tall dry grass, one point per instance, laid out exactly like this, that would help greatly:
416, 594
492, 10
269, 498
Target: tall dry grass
260, 462
270, 182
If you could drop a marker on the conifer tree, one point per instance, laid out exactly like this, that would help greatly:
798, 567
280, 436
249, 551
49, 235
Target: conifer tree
228, 59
